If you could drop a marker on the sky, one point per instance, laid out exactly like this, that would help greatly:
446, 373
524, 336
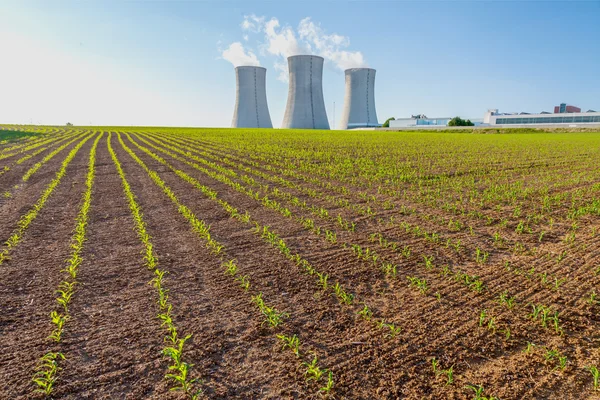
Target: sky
171, 63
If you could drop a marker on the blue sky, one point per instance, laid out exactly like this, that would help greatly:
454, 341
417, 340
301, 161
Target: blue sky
161, 62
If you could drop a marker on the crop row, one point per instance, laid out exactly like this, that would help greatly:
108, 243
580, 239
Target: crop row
49, 365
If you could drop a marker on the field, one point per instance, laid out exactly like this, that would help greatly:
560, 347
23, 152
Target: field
213, 263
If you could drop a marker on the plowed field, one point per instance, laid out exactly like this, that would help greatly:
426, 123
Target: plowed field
216, 263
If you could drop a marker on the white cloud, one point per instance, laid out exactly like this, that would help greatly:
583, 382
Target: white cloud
330, 46
237, 55
252, 23
283, 42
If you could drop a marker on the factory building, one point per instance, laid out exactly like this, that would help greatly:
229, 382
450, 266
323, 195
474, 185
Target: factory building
567, 118
419, 120
566, 108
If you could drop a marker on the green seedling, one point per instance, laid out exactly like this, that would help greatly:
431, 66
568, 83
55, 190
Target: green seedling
595, 375
45, 376
329, 385
291, 342
313, 371
366, 312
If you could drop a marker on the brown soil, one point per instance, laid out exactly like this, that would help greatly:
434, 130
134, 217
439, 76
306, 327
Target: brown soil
113, 340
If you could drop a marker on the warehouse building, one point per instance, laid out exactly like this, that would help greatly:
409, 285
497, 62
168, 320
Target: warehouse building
568, 117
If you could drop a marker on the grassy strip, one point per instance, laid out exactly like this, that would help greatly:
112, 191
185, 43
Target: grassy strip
28, 147
28, 156
272, 316
24, 142
17, 235
45, 374
179, 369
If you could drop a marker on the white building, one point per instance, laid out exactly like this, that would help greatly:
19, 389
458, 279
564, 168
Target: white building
494, 118
422, 121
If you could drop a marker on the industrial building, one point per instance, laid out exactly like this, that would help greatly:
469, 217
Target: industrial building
566, 108
251, 109
359, 101
422, 121
566, 118
305, 107
419, 120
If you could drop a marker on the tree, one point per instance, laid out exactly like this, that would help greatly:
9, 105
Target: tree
386, 124
69, 124
458, 121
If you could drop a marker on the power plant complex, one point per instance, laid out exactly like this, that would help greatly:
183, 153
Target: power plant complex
305, 108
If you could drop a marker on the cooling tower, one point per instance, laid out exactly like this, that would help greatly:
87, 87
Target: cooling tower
359, 103
305, 105
251, 109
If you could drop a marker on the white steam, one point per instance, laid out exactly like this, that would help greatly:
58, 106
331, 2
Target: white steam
237, 55
284, 41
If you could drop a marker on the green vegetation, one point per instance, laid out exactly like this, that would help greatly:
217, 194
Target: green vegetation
386, 124
393, 245
458, 121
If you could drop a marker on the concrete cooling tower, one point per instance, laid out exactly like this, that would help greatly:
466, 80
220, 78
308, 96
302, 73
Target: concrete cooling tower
305, 105
251, 109
359, 103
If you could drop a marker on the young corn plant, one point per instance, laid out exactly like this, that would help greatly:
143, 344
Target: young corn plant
418, 283
366, 312
505, 299
595, 376
479, 393
449, 375
45, 376
244, 281
313, 371
272, 316
389, 269
59, 321
529, 348
435, 366
329, 385
291, 342
481, 256
341, 294
231, 268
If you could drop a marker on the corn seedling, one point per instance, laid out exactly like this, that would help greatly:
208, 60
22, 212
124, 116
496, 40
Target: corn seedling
45, 375
505, 299
595, 375
244, 281
273, 317
313, 371
329, 385
418, 283
479, 390
291, 342
449, 375
435, 366
366, 312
